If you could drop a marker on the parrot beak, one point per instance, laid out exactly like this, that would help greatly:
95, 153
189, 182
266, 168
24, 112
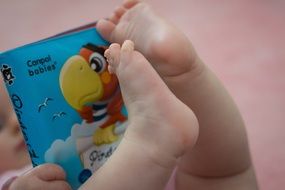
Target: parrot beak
79, 84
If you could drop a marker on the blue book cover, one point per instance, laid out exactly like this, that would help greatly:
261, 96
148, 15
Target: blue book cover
69, 106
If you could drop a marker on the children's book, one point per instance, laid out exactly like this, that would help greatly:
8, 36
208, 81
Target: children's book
69, 106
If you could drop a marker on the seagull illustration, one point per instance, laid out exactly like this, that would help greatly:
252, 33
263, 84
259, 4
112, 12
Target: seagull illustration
58, 115
45, 104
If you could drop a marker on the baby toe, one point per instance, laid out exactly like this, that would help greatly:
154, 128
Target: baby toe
130, 3
105, 28
114, 18
119, 11
113, 56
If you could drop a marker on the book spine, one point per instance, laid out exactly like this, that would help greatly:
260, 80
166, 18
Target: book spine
18, 105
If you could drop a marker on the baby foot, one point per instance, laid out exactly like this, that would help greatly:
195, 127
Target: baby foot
168, 49
159, 121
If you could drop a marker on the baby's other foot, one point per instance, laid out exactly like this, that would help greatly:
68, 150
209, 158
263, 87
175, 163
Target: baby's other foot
159, 122
168, 49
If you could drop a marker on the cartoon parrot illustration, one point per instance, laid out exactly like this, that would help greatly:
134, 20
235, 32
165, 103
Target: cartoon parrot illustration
90, 89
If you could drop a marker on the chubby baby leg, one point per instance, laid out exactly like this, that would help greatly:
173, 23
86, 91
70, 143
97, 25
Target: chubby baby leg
161, 128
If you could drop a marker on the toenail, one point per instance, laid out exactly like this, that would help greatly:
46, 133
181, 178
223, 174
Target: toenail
114, 45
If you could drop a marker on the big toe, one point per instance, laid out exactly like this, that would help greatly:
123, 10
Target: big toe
130, 3
118, 56
105, 28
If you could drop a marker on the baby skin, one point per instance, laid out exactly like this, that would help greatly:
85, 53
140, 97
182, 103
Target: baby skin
161, 128
163, 80
167, 90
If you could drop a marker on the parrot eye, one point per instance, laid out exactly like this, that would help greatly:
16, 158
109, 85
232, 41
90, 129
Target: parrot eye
97, 62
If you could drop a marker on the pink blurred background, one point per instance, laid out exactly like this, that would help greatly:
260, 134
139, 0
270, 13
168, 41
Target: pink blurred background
243, 41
